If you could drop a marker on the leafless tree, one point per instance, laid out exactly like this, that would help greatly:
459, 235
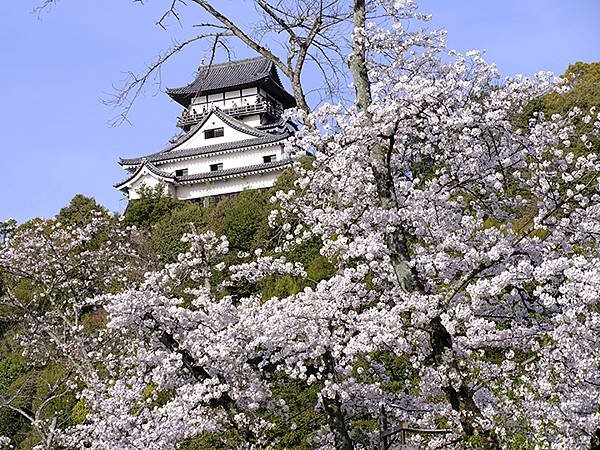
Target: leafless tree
302, 35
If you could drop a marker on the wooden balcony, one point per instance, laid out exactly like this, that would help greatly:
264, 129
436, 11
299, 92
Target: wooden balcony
262, 107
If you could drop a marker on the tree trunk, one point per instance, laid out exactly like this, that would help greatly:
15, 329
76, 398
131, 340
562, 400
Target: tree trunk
379, 155
461, 400
357, 62
337, 423
335, 414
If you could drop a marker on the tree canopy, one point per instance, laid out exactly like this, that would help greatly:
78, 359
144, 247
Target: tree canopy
437, 260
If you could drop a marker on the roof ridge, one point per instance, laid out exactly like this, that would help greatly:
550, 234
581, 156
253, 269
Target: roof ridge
151, 167
236, 123
237, 61
234, 170
199, 151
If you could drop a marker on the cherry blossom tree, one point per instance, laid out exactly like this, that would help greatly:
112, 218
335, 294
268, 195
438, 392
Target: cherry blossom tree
50, 274
466, 285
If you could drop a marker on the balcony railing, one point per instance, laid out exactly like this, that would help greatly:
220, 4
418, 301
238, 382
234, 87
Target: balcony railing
262, 106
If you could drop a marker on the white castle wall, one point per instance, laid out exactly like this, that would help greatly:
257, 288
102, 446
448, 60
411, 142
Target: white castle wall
198, 139
230, 160
230, 185
233, 159
228, 99
206, 188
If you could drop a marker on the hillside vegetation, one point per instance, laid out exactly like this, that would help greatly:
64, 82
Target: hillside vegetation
32, 382
160, 222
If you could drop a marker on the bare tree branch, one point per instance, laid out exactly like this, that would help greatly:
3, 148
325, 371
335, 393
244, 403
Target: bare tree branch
171, 12
312, 28
134, 84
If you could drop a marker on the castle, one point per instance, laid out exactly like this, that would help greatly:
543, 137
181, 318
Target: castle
232, 135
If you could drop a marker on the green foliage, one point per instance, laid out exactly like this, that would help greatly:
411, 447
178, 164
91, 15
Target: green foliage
6, 229
152, 206
583, 80
29, 388
20, 384
79, 413
216, 441
45, 387
12, 366
279, 286
295, 431
79, 211
317, 266
241, 218
168, 231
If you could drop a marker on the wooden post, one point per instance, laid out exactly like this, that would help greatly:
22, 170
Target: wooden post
383, 424
403, 433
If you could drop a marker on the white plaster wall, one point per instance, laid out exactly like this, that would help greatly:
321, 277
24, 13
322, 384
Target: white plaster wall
250, 91
219, 187
253, 120
199, 100
149, 180
230, 135
225, 100
231, 160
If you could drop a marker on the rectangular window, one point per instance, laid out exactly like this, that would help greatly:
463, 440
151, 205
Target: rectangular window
215, 167
269, 158
213, 133
181, 172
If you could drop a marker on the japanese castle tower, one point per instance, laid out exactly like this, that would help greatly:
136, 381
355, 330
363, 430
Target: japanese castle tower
232, 134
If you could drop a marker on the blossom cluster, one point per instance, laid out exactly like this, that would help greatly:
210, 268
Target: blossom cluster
494, 222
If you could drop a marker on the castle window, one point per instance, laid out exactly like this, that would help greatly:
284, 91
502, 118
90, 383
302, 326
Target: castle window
181, 172
213, 133
215, 167
269, 158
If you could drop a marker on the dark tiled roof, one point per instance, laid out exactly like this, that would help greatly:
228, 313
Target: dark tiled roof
226, 75
152, 168
217, 174
232, 172
197, 151
231, 75
261, 137
279, 126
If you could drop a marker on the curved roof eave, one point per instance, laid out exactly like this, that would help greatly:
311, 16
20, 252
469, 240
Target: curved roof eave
251, 72
152, 168
261, 137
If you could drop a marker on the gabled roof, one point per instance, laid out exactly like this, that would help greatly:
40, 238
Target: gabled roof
233, 123
259, 137
152, 168
208, 149
252, 72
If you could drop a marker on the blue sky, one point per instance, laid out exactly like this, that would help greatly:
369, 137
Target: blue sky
56, 137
